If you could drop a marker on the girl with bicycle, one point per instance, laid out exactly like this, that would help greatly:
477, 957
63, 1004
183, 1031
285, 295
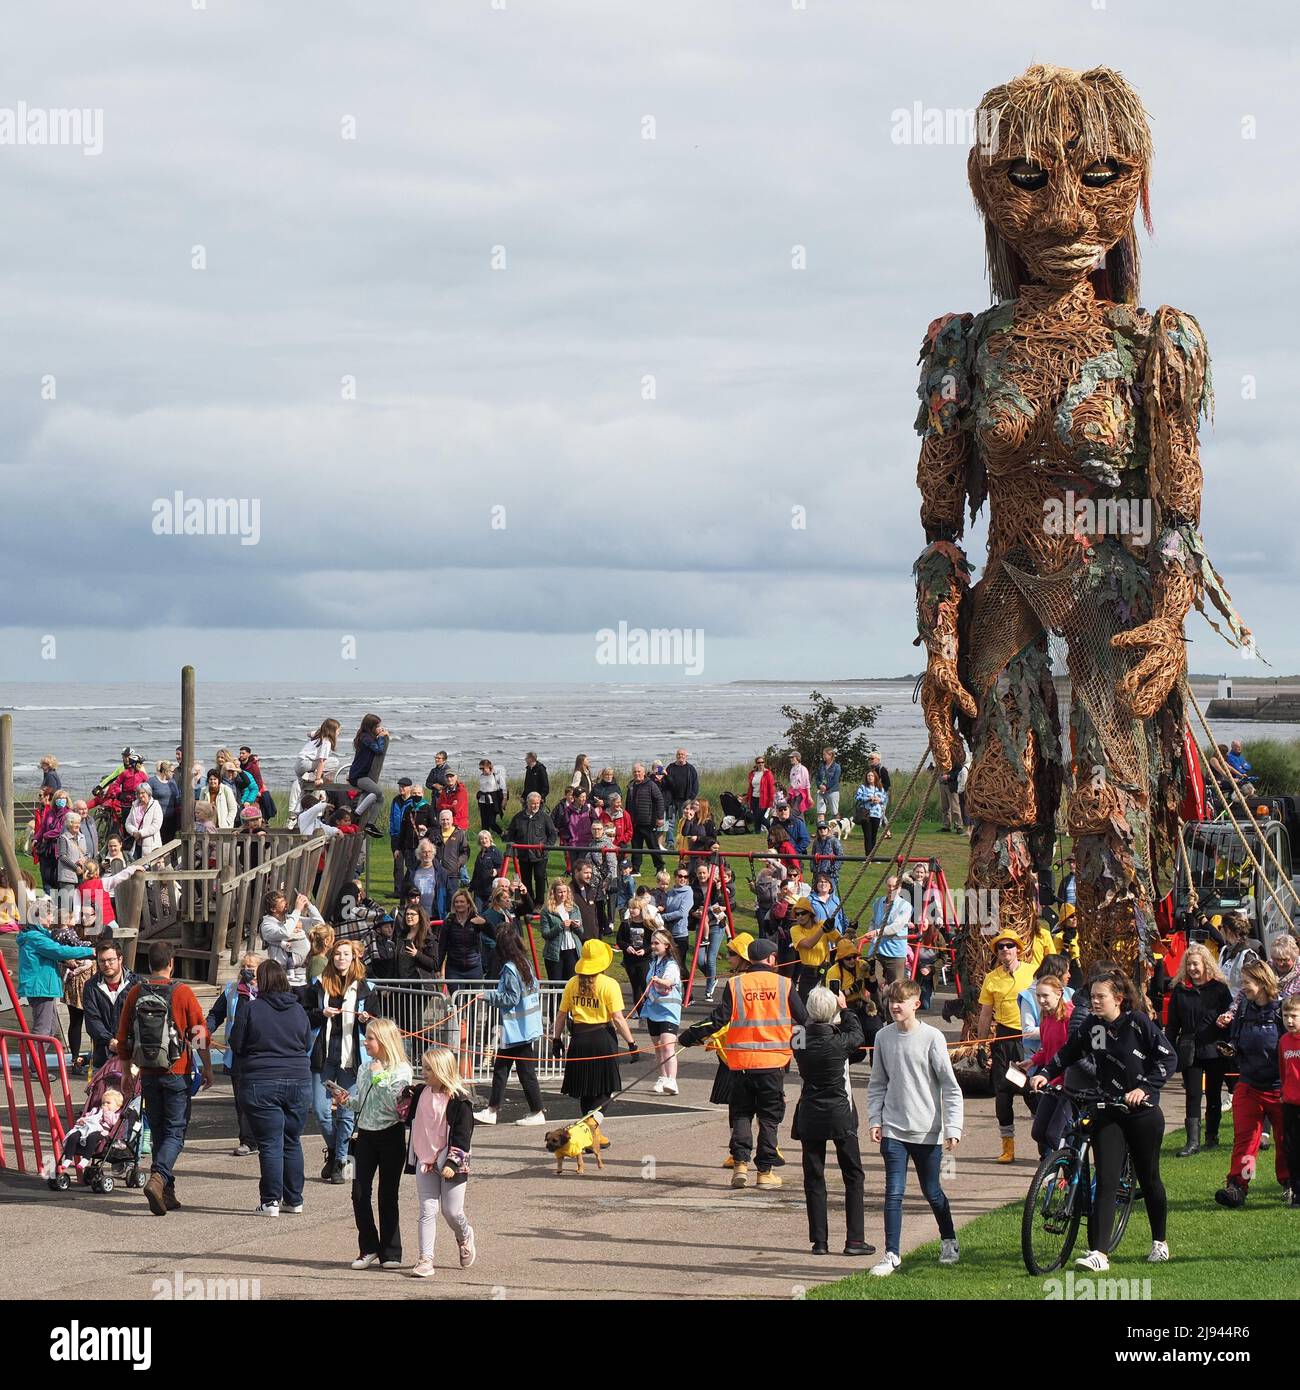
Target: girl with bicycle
1133, 1060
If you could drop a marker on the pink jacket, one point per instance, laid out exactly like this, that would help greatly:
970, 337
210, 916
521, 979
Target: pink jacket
1052, 1033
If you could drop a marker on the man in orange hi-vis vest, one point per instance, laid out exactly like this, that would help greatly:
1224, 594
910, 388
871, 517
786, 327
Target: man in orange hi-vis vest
760, 1011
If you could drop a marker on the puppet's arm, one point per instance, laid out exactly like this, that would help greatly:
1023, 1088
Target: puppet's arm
942, 572
1176, 393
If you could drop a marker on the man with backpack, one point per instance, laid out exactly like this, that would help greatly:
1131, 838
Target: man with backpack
161, 1023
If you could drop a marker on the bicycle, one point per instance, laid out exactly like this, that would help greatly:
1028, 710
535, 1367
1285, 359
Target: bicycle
1063, 1188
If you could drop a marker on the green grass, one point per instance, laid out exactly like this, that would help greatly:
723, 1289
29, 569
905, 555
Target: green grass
1253, 1252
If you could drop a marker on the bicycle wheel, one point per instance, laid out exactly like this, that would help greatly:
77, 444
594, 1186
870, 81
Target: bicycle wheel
1050, 1221
1124, 1196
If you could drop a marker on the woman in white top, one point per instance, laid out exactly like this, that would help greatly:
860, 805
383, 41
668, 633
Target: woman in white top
491, 796
582, 779
144, 821
317, 762
222, 800
285, 935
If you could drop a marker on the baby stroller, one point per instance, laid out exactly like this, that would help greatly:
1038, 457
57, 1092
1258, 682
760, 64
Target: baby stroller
737, 818
118, 1148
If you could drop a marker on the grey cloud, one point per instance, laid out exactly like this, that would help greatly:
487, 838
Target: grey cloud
626, 257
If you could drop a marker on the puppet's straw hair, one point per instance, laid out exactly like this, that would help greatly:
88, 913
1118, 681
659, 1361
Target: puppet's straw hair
1046, 106
1037, 114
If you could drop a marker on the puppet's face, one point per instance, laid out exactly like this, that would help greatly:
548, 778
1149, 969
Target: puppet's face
1060, 211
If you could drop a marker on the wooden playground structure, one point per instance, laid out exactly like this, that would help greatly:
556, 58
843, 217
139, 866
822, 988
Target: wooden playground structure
203, 890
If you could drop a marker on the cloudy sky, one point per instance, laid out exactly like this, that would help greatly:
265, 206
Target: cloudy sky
454, 206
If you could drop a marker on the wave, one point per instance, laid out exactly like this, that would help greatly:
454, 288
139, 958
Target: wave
67, 709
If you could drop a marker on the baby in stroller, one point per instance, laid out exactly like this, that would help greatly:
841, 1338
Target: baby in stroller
107, 1133
737, 817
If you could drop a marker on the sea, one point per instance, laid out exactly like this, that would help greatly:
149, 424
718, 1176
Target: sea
86, 726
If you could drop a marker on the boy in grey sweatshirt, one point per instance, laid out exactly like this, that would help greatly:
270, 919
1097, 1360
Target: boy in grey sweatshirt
914, 1110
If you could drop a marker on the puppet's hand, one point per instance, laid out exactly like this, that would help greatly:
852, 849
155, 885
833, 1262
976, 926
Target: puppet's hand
1160, 642
942, 579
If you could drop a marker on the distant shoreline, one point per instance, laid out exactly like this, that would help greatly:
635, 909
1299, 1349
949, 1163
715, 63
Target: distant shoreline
1280, 683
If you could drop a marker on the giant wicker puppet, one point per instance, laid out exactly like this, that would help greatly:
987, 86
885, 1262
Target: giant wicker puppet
1065, 392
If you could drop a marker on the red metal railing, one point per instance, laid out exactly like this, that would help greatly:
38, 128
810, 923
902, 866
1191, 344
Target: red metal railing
28, 1051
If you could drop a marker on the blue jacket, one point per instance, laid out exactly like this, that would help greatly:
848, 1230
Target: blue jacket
829, 911
39, 959
797, 829
364, 757
892, 947
678, 902
521, 1011
823, 846
828, 775
1255, 1032
271, 1038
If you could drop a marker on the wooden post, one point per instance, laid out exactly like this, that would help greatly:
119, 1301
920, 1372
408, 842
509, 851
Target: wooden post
187, 749
7, 770
130, 914
9, 859
220, 924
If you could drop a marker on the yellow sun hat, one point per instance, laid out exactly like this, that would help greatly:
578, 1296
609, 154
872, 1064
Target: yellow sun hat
596, 958
740, 943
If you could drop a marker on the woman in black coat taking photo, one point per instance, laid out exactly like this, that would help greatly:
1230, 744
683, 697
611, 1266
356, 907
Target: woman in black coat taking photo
825, 1113
1197, 996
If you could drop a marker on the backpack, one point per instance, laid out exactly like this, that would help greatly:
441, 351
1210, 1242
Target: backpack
154, 1040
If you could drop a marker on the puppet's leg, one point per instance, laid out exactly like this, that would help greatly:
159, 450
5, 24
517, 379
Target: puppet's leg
1012, 794
1110, 824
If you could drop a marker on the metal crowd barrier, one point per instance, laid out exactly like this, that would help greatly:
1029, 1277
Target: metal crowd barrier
428, 1014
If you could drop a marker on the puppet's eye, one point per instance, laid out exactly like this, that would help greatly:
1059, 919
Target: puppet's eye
1100, 173
1026, 175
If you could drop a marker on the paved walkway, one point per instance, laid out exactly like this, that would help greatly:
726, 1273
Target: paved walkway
660, 1221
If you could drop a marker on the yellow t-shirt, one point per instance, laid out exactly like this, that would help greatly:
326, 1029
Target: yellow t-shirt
592, 999
819, 951
1002, 991
1042, 945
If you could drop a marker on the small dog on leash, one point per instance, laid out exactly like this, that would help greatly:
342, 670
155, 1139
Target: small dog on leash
574, 1140
845, 826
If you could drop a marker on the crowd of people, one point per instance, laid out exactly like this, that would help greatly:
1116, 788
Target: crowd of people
308, 1033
